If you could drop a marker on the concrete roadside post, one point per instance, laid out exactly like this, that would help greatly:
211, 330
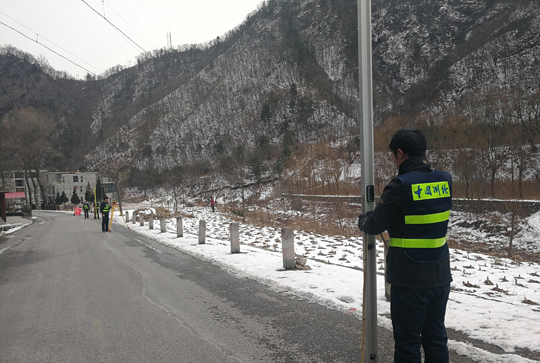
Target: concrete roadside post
162, 224
179, 227
127, 217
287, 246
235, 238
134, 219
141, 219
202, 232
151, 221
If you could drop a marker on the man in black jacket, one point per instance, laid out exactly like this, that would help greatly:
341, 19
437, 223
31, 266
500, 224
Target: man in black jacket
415, 209
105, 208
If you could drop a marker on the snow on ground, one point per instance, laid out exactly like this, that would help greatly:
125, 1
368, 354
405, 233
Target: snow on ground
493, 230
494, 300
8, 228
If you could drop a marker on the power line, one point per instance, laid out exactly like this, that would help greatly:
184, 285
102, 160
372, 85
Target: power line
52, 50
37, 37
114, 26
132, 27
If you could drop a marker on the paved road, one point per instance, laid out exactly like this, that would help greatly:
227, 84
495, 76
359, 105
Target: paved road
70, 293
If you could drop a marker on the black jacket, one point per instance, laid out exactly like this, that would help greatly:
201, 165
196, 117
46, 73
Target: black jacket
103, 206
405, 268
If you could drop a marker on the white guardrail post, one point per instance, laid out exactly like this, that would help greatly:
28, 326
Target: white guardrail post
287, 243
179, 227
235, 238
202, 232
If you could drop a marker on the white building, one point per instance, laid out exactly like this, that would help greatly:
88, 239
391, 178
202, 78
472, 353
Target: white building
14, 181
53, 182
58, 182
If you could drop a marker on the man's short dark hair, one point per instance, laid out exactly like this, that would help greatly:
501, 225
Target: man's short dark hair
411, 142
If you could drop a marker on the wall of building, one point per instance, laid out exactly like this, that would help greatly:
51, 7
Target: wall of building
15, 182
58, 182
55, 182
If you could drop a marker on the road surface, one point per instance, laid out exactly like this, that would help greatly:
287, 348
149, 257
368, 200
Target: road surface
71, 293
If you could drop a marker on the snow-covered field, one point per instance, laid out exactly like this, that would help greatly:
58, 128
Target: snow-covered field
493, 300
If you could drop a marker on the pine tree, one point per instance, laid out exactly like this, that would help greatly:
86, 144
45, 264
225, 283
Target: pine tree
89, 194
64, 198
58, 199
99, 190
75, 198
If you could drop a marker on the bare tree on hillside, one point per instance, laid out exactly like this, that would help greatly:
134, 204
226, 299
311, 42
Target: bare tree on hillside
175, 182
334, 167
118, 172
234, 165
487, 114
523, 109
384, 170
442, 130
306, 178
461, 138
516, 210
27, 135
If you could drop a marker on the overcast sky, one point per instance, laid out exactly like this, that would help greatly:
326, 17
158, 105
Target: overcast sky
90, 41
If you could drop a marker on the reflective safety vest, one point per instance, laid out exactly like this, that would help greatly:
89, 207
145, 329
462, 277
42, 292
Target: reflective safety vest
427, 201
106, 208
86, 207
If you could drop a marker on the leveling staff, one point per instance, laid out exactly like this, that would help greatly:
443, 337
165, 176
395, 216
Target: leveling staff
105, 208
415, 210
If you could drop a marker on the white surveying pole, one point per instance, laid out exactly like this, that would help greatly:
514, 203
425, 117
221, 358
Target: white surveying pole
368, 190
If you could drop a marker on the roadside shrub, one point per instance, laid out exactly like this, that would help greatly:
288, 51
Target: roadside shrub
297, 204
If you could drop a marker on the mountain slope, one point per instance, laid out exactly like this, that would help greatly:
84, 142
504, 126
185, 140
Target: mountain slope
287, 74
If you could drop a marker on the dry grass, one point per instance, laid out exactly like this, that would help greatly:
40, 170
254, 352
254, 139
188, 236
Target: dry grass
135, 200
503, 189
340, 188
161, 212
339, 219
334, 223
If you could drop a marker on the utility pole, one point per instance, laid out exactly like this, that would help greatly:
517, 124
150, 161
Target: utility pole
365, 80
169, 40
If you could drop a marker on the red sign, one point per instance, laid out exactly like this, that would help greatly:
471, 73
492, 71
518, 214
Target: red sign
15, 195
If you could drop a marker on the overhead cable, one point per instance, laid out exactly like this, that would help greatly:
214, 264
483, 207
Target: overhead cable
114, 26
56, 45
128, 24
52, 50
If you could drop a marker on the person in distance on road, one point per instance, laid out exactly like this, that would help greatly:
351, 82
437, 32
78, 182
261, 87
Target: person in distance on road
86, 209
104, 208
415, 210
